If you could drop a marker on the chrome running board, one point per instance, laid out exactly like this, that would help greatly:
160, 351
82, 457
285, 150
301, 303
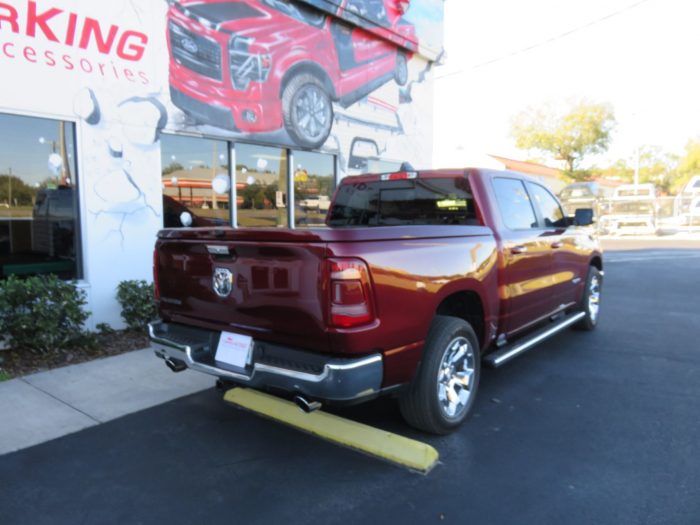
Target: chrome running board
505, 354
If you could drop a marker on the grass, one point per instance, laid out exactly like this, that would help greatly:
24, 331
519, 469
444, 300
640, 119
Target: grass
4, 376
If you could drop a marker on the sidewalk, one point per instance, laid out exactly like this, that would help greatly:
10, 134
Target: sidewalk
47, 405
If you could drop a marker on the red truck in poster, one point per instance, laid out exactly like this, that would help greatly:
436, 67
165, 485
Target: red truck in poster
260, 65
417, 278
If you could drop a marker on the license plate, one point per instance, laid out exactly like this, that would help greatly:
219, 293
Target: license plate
234, 349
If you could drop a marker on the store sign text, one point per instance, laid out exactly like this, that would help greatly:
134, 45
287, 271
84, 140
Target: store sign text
56, 25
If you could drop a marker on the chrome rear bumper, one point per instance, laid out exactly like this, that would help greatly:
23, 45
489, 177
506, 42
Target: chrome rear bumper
315, 375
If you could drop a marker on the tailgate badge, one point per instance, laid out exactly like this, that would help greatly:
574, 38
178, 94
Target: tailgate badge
216, 249
222, 281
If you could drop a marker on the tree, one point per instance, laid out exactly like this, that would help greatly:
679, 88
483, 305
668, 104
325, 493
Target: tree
584, 129
172, 167
655, 166
688, 166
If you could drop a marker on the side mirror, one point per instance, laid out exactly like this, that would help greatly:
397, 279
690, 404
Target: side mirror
583, 217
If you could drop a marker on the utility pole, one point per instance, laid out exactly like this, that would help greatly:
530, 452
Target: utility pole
9, 183
636, 169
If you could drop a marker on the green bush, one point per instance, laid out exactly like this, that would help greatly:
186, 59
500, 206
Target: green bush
42, 312
138, 304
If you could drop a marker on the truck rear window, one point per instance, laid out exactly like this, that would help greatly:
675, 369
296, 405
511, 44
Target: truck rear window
403, 202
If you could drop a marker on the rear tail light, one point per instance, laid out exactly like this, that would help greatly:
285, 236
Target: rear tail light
156, 284
350, 301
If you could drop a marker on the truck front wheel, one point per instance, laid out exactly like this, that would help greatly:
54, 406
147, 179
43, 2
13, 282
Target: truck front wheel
442, 393
307, 110
590, 302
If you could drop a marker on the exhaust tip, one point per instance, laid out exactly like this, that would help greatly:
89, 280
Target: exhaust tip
175, 365
306, 405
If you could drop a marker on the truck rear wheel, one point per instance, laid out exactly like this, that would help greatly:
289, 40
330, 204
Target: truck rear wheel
442, 393
307, 110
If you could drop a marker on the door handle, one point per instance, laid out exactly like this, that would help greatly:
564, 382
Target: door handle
517, 250
557, 244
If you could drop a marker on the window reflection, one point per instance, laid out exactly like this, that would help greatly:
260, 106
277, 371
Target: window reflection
261, 186
196, 181
314, 182
38, 197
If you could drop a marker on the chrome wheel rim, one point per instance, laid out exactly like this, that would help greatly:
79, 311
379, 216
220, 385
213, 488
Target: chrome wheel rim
594, 298
312, 113
456, 377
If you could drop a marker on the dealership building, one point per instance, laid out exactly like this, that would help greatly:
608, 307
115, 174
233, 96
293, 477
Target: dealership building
120, 118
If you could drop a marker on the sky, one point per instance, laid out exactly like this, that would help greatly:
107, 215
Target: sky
503, 56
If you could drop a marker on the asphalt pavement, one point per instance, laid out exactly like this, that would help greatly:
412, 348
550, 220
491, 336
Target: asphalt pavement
600, 427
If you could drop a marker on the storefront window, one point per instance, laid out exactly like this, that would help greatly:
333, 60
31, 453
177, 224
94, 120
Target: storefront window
196, 182
314, 182
261, 186
38, 198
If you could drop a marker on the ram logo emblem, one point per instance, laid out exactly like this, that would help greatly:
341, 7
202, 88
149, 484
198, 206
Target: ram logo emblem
222, 282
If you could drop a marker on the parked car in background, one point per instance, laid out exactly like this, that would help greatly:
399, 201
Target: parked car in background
318, 203
632, 209
583, 195
686, 205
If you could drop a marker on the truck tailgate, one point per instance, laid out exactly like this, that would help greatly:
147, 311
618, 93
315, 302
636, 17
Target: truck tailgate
276, 283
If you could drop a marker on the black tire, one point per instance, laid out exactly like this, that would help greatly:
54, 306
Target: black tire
401, 71
421, 404
307, 110
590, 302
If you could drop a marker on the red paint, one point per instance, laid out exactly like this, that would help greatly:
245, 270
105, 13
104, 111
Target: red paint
59, 26
284, 46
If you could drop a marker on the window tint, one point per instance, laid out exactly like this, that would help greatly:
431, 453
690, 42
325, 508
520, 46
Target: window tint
515, 205
38, 198
548, 205
401, 202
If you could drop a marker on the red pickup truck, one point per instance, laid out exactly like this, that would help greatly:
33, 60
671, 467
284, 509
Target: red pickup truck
418, 278
256, 65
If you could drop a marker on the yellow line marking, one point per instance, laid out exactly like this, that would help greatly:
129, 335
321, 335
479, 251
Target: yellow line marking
379, 443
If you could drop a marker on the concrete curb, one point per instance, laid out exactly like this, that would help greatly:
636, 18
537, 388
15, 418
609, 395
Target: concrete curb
47, 405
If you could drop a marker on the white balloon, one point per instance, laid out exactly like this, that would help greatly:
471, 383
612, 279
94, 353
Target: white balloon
55, 164
221, 183
250, 180
262, 164
186, 219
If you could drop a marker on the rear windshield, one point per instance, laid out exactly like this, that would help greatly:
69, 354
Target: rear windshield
402, 202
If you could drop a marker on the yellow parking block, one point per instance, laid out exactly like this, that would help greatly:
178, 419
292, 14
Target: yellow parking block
380, 443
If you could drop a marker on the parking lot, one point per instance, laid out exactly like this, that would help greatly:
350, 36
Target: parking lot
600, 427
